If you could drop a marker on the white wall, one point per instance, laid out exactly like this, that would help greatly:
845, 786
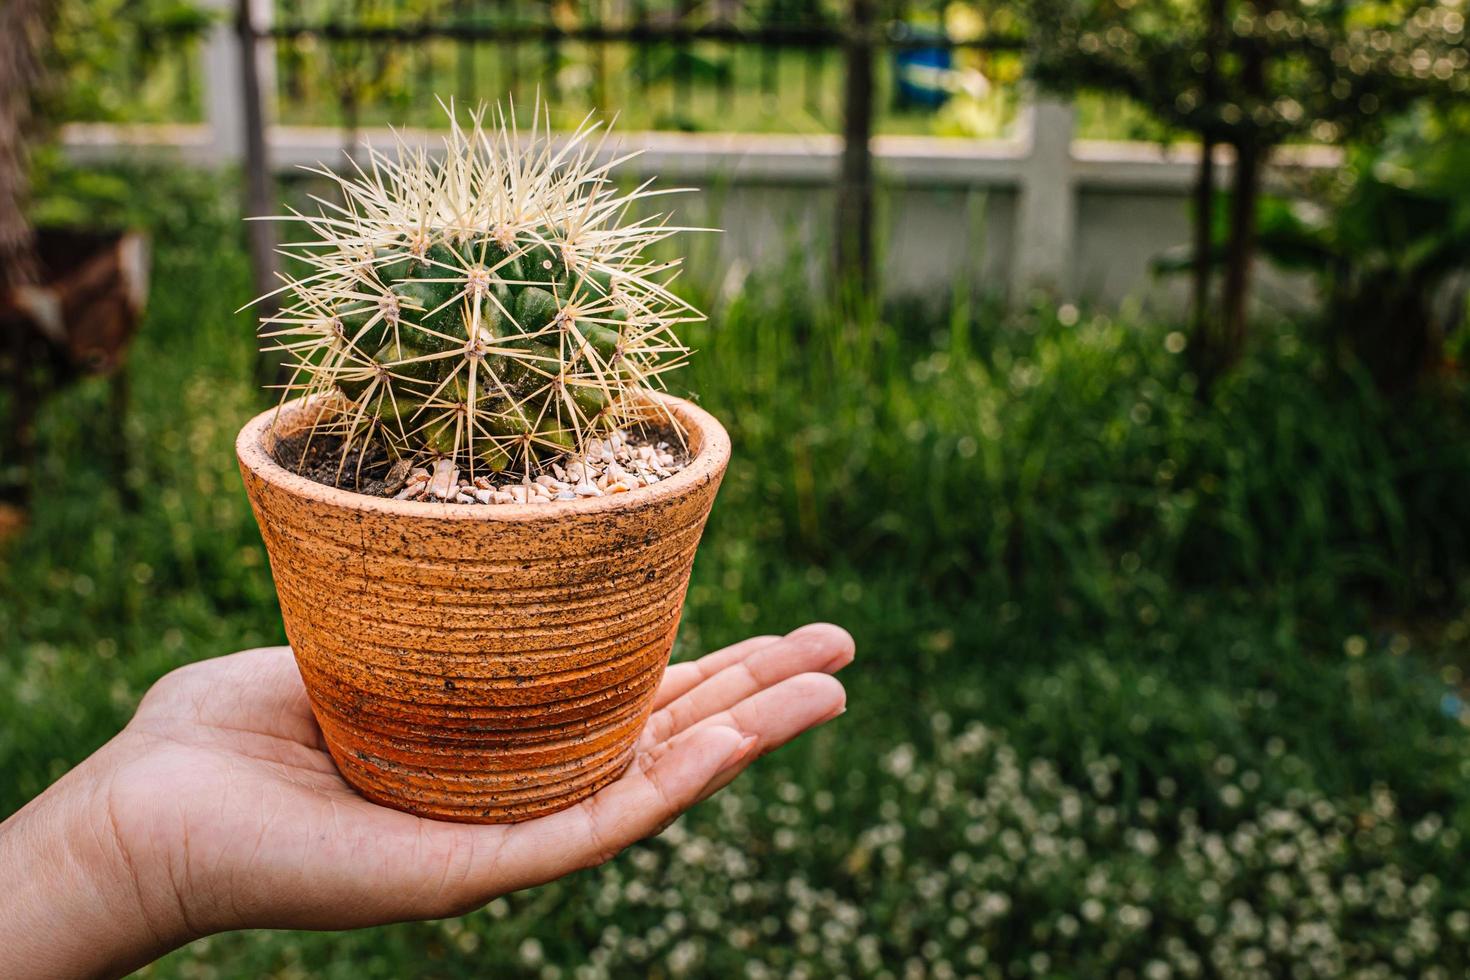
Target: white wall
950, 211
1043, 210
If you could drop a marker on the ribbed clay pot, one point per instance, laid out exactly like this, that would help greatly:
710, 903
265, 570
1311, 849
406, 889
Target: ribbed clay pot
480, 663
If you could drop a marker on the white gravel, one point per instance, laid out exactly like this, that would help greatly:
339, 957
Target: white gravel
611, 465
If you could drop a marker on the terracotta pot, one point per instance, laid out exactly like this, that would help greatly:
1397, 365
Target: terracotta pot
480, 663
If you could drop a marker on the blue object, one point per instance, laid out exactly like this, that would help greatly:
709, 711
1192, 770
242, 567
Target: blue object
920, 73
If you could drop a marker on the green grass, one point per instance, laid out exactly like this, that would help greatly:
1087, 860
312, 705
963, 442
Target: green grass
1144, 684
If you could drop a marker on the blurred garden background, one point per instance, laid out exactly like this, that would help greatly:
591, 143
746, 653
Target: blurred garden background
1140, 474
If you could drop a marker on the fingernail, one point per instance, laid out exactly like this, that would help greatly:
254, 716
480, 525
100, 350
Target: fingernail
837, 662
742, 753
748, 748
839, 712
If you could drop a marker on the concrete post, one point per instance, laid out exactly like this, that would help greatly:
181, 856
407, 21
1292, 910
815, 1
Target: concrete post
1046, 211
224, 96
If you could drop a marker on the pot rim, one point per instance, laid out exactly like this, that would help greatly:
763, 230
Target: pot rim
708, 464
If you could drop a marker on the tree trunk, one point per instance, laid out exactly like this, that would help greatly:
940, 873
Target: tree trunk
1240, 253
1204, 187
854, 225
1204, 252
25, 29
1250, 152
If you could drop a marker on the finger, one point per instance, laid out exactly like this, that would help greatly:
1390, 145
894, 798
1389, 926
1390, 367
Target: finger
680, 678
815, 703
780, 713
820, 647
657, 787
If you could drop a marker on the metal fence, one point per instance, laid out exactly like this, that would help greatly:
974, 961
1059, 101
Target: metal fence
741, 65
832, 66
659, 64
1079, 217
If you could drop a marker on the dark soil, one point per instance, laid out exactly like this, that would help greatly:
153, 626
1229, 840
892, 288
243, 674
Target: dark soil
318, 457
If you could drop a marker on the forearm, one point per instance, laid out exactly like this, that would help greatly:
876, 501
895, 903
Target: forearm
70, 905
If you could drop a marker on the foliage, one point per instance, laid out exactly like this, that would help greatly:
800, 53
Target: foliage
1251, 75
1091, 613
1390, 247
1034, 463
1256, 72
116, 56
353, 71
494, 306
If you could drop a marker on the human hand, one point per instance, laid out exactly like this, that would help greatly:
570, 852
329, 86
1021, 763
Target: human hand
218, 808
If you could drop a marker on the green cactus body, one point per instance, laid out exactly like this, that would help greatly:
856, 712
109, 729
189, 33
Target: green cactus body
456, 327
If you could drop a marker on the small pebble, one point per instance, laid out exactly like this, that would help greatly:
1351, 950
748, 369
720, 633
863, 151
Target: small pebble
397, 477
443, 483
611, 465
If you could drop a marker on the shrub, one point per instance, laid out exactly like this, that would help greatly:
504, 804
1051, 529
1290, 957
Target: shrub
1060, 462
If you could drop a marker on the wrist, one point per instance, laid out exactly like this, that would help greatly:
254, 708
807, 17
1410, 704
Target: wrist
74, 904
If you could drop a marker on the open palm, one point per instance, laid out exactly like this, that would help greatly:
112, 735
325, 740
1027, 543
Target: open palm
228, 808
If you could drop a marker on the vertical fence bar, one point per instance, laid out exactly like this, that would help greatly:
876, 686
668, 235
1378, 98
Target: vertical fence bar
464, 56
510, 51
640, 49
768, 53
599, 58
854, 224
683, 55
551, 64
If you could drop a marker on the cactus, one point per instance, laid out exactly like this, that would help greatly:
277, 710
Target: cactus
493, 306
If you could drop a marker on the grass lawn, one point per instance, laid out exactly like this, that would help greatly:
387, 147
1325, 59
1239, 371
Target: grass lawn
1146, 687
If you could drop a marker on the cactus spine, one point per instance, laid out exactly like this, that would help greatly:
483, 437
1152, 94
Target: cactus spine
494, 305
